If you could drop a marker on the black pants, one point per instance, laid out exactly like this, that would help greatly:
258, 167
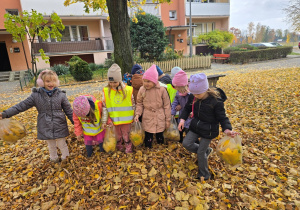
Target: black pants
149, 139
184, 130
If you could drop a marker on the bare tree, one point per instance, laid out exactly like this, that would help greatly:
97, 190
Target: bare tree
293, 14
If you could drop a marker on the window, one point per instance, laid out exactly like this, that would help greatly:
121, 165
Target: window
193, 32
172, 15
83, 33
12, 11
66, 34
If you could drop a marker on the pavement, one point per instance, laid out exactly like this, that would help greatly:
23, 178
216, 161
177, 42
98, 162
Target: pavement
10, 91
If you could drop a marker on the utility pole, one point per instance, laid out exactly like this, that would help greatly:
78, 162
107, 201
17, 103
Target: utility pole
191, 36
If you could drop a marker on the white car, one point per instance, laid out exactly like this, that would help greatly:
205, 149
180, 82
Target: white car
267, 44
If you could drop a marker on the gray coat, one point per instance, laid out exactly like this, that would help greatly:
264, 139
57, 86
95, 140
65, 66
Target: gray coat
51, 120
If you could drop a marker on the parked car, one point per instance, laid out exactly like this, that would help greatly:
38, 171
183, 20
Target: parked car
276, 44
262, 44
299, 45
256, 45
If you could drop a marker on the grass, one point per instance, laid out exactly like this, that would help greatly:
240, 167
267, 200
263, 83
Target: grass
293, 53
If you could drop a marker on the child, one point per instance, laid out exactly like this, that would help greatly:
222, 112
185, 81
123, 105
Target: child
180, 83
119, 102
52, 106
137, 79
208, 112
88, 121
154, 104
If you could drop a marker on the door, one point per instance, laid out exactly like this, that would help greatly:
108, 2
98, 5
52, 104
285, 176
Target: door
4, 59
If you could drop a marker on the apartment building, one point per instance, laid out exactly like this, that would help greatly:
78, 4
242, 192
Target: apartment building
207, 15
14, 56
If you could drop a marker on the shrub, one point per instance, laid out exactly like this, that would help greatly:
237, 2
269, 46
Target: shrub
72, 62
93, 66
82, 71
259, 55
228, 50
109, 61
60, 69
169, 54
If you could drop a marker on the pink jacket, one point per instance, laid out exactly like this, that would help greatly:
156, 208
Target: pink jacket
154, 105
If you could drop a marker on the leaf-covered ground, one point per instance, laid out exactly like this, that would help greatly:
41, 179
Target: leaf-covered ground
264, 106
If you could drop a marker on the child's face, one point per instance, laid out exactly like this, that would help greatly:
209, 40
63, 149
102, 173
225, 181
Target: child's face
181, 89
148, 84
49, 83
114, 85
201, 96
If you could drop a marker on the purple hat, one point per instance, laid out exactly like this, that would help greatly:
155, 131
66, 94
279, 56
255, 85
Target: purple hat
81, 106
198, 83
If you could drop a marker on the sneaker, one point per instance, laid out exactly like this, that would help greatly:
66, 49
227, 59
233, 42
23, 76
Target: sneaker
209, 151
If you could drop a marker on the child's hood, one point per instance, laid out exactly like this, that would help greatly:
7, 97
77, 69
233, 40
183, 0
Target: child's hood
223, 96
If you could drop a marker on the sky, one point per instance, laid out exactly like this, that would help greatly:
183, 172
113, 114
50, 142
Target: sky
266, 12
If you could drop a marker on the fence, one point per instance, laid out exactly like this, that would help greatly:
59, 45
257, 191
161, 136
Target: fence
195, 62
26, 79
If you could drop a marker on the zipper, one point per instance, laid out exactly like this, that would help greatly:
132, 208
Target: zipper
199, 108
210, 130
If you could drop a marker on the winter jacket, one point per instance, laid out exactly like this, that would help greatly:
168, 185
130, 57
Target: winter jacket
182, 101
52, 111
137, 82
154, 104
207, 115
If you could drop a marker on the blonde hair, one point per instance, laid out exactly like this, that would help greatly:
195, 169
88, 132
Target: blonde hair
91, 116
122, 88
182, 89
52, 75
212, 92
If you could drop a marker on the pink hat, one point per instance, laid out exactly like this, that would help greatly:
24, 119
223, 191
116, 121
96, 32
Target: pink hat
198, 83
81, 106
180, 79
40, 81
151, 74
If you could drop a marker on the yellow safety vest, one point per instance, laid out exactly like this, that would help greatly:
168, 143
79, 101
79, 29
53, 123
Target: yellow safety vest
88, 128
172, 93
119, 110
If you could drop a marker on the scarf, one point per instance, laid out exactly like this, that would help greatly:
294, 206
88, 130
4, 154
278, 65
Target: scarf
49, 92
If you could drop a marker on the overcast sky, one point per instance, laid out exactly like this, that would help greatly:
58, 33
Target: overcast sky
267, 12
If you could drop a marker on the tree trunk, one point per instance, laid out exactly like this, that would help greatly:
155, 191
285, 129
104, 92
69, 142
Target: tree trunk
120, 30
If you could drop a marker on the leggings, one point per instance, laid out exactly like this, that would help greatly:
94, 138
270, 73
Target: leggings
149, 138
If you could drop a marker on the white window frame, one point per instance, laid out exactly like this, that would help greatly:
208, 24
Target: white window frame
171, 14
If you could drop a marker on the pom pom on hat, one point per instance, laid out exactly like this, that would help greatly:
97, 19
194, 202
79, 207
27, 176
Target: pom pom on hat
81, 106
198, 83
151, 74
114, 73
180, 79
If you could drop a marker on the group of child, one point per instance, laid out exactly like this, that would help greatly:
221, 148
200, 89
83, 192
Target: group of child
152, 99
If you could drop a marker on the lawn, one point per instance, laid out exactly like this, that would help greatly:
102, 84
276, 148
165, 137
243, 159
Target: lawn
263, 106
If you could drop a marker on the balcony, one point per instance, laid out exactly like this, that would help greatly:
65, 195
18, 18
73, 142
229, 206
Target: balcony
208, 9
86, 44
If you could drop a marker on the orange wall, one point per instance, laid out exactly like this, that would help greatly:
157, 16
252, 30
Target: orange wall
17, 60
8, 4
93, 26
177, 5
183, 36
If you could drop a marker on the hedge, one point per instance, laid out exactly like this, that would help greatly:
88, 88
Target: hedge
259, 55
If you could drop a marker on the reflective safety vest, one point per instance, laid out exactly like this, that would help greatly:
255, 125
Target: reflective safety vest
172, 93
88, 128
119, 110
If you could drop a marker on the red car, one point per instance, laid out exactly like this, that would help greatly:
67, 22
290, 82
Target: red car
299, 45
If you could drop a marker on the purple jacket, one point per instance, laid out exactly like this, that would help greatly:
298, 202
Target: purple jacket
181, 100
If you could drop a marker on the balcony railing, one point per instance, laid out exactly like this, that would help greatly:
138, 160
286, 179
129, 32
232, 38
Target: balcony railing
85, 44
208, 9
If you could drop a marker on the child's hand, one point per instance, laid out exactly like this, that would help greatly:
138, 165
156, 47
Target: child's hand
178, 108
79, 137
181, 125
103, 126
110, 124
136, 118
231, 133
167, 125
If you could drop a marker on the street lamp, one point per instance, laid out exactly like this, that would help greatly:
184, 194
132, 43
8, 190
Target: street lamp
191, 38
